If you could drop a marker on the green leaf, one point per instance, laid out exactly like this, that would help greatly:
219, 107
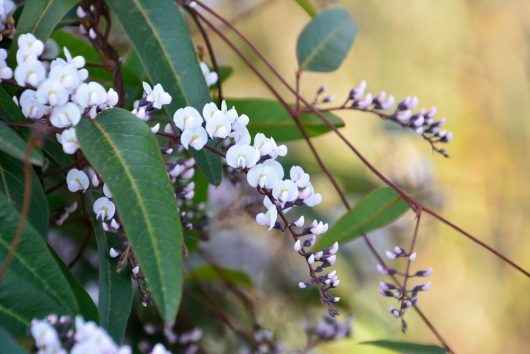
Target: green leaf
408, 348
9, 111
162, 41
308, 7
86, 306
40, 17
272, 119
209, 164
326, 40
211, 272
12, 144
8, 344
115, 289
126, 154
34, 286
377, 209
12, 186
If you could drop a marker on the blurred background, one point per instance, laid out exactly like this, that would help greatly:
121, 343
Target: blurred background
471, 59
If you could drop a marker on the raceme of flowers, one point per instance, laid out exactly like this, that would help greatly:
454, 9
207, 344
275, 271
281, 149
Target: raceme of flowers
407, 297
61, 335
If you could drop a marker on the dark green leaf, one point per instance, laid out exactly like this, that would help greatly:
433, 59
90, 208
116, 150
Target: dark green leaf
272, 119
12, 186
326, 40
408, 348
211, 272
9, 110
34, 286
115, 289
377, 209
40, 17
126, 154
209, 164
8, 344
164, 46
12, 144
308, 7
86, 306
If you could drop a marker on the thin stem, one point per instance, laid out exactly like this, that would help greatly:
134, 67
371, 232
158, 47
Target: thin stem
409, 261
81, 249
211, 53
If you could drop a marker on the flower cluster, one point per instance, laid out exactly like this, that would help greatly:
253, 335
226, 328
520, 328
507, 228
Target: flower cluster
58, 93
422, 122
258, 161
407, 297
187, 342
328, 329
61, 335
264, 343
7, 24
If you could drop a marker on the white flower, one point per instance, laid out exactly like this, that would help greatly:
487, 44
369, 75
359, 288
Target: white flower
7, 7
68, 139
187, 118
104, 208
209, 110
195, 138
91, 339
32, 73
299, 177
67, 115
113, 253
268, 218
67, 75
300, 221
159, 349
91, 94
157, 96
45, 336
318, 228
77, 180
78, 61
313, 200
268, 146
5, 71
112, 98
210, 77
31, 108
52, 93
264, 175
29, 44
218, 126
241, 136
242, 156
285, 191
107, 191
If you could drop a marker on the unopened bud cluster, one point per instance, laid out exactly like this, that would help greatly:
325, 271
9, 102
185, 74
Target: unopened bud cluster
186, 342
406, 296
327, 329
422, 121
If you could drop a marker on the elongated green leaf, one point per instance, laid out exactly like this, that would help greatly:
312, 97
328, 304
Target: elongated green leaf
8, 344
408, 348
12, 186
12, 144
115, 289
163, 43
40, 17
326, 40
8, 109
377, 209
86, 306
34, 285
127, 156
270, 118
211, 272
308, 7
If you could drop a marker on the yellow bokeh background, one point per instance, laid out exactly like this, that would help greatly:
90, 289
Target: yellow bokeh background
472, 60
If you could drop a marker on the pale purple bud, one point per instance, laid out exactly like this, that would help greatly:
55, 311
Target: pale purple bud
303, 284
92, 34
390, 255
113, 253
297, 245
412, 257
311, 259
395, 312
424, 273
300, 221
136, 270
